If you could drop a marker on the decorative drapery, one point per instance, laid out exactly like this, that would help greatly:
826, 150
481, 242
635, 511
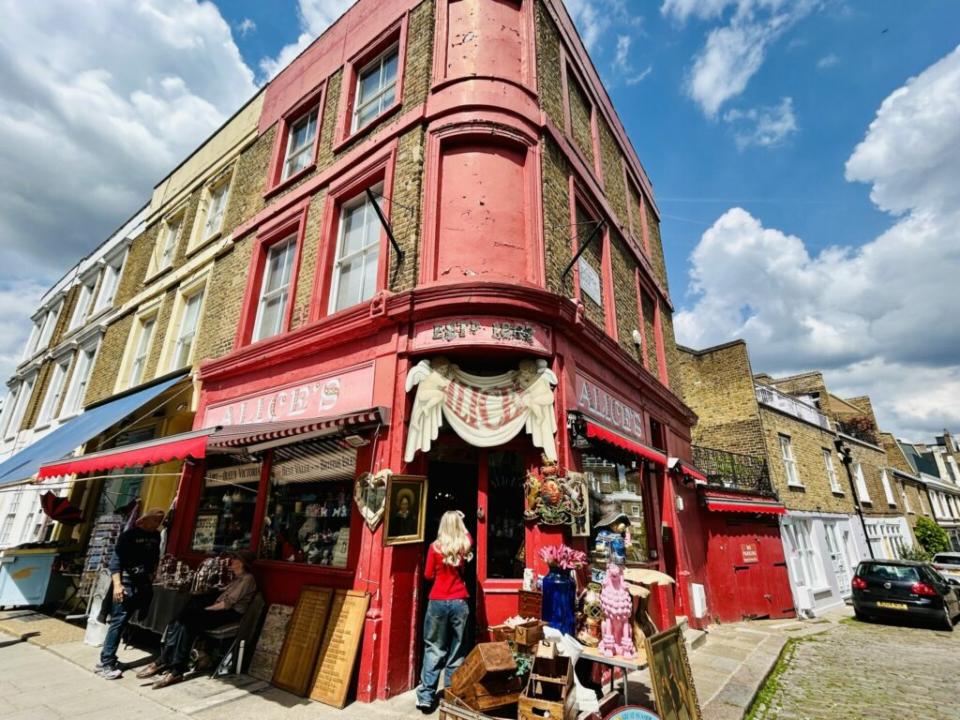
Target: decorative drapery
484, 410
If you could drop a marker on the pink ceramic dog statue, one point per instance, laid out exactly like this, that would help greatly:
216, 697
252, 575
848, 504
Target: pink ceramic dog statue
617, 610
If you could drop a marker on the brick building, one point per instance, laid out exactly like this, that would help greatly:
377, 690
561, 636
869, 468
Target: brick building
760, 417
932, 465
434, 196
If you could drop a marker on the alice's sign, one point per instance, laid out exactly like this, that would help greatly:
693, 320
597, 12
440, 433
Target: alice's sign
323, 396
482, 331
601, 404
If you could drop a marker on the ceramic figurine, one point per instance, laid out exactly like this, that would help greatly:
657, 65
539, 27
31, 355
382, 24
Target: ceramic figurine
617, 610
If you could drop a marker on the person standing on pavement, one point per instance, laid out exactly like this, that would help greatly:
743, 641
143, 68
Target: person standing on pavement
134, 560
447, 610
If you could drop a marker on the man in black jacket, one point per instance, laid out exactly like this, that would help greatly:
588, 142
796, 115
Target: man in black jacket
132, 565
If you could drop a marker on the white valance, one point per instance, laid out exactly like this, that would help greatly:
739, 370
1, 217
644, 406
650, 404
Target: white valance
486, 411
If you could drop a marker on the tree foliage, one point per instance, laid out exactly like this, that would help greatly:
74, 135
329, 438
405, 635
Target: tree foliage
931, 536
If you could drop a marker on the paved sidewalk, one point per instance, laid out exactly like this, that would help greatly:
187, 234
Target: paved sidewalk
50, 676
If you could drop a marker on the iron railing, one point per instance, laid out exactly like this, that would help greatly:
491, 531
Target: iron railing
791, 406
733, 471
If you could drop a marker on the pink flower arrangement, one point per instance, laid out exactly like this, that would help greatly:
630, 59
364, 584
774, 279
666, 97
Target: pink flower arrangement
563, 557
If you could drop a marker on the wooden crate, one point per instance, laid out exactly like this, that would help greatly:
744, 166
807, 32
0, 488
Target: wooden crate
549, 692
526, 635
487, 661
530, 604
490, 694
452, 709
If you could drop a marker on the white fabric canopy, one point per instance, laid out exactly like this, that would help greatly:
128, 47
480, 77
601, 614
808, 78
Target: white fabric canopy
486, 411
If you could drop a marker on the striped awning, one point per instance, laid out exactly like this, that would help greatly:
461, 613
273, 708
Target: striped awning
260, 436
720, 501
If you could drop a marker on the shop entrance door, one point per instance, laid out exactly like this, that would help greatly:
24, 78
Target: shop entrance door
452, 485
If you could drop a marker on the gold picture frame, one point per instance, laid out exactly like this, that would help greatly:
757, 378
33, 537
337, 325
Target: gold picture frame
406, 509
671, 677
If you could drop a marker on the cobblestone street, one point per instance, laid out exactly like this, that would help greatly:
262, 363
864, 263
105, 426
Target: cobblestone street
867, 670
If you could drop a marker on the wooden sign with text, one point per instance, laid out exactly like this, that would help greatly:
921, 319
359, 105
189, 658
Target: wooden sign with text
338, 652
304, 632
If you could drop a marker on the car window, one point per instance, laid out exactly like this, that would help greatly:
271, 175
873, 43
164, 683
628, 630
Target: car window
947, 559
890, 573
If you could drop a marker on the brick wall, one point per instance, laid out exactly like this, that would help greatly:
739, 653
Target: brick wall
625, 294
581, 112
249, 180
224, 302
808, 443
556, 217
717, 384
670, 350
406, 211
106, 368
656, 249
873, 462
548, 66
612, 162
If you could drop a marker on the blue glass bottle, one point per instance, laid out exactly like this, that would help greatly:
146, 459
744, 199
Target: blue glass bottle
559, 601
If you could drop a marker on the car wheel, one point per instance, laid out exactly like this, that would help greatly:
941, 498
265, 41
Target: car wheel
861, 616
947, 622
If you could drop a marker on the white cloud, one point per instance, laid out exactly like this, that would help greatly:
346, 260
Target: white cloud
18, 298
99, 101
828, 61
881, 318
246, 27
640, 77
621, 60
734, 51
763, 126
314, 17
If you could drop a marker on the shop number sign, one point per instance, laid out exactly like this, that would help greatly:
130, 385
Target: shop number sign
590, 282
749, 553
481, 330
322, 396
600, 404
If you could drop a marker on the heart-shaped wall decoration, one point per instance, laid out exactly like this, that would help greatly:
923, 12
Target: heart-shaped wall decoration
370, 494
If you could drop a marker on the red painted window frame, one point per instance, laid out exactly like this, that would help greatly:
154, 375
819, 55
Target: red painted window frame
379, 168
313, 100
293, 221
395, 34
566, 70
642, 232
644, 286
579, 195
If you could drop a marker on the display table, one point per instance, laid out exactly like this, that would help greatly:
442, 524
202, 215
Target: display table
626, 666
166, 606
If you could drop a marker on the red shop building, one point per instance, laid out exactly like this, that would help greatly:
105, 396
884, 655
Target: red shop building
479, 246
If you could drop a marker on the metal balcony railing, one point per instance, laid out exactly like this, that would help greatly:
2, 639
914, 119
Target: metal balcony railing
733, 471
791, 406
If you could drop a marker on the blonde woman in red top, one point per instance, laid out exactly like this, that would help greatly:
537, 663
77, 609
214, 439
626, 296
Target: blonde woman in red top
447, 610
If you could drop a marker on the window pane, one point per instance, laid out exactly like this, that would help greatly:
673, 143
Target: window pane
271, 317
370, 274
505, 503
369, 84
225, 518
348, 290
353, 229
390, 68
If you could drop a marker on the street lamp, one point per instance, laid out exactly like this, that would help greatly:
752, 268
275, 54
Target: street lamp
846, 458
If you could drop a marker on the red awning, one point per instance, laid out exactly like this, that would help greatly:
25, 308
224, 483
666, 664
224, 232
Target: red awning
152, 452
599, 432
258, 435
744, 504
691, 472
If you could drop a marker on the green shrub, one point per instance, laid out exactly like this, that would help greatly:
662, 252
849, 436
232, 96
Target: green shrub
915, 553
931, 536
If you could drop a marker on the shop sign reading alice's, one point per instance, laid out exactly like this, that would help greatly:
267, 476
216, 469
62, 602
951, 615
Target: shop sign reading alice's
597, 402
326, 395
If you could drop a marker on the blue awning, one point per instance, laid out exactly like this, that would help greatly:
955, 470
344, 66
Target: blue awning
74, 433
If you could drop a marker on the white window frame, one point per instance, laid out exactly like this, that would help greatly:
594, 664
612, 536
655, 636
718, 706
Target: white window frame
146, 332
291, 153
54, 394
861, 482
789, 461
84, 301
289, 246
24, 391
907, 507
835, 486
26, 529
810, 562
186, 301
168, 240
216, 209
49, 323
79, 380
34, 337
368, 246
361, 104
109, 281
9, 521
887, 489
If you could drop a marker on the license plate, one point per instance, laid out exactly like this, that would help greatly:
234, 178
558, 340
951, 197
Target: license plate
892, 606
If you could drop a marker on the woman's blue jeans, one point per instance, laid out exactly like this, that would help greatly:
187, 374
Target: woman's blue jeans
443, 631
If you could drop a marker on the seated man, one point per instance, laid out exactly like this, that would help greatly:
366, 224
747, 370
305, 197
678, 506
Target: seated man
198, 617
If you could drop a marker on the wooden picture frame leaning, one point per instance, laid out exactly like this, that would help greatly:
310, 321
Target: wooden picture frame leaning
406, 509
671, 677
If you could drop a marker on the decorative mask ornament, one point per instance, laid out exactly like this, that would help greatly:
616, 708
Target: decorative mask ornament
370, 494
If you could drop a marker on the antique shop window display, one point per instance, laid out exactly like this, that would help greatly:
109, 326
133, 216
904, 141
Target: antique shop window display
227, 505
615, 489
307, 516
505, 528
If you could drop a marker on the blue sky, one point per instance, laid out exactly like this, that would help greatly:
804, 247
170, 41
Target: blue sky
789, 199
